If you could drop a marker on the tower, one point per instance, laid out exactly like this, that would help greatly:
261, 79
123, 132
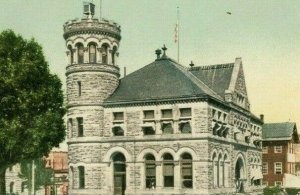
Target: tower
92, 75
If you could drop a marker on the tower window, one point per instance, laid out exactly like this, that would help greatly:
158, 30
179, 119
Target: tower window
70, 126
92, 53
113, 55
81, 176
71, 54
118, 116
80, 126
104, 52
11, 187
79, 88
80, 53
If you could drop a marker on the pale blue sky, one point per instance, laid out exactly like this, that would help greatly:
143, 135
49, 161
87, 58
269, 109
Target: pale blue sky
264, 33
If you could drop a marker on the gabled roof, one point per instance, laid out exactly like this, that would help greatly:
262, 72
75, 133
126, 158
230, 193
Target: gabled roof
217, 77
279, 131
162, 79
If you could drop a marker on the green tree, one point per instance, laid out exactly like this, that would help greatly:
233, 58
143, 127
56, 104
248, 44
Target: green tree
43, 176
31, 103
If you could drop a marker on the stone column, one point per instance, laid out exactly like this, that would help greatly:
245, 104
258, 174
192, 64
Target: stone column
99, 55
109, 56
159, 175
86, 55
68, 57
75, 56
177, 176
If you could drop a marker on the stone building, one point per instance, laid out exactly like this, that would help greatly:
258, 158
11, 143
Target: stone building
163, 129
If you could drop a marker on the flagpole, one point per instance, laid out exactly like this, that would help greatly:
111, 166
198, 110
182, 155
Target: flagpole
100, 10
178, 34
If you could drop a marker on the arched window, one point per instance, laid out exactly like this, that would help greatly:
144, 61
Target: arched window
187, 170
113, 55
168, 170
119, 163
239, 175
226, 171
215, 169
92, 53
81, 177
71, 54
220, 170
104, 53
150, 171
11, 187
80, 53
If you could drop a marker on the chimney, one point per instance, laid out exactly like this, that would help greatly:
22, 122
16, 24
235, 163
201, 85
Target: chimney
192, 64
157, 52
262, 117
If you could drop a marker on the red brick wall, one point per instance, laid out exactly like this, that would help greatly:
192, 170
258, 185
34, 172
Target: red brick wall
272, 157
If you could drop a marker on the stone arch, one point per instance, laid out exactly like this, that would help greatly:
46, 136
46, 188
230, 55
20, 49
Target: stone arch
92, 39
166, 150
141, 155
213, 154
186, 150
240, 172
79, 40
105, 40
111, 151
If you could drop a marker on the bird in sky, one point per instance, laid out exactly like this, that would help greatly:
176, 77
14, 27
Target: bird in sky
229, 13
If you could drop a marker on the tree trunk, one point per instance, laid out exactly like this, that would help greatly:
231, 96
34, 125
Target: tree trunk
2, 181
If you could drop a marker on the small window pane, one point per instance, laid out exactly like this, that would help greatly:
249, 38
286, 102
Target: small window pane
185, 112
118, 116
118, 131
149, 114
185, 128
167, 113
148, 131
80, 126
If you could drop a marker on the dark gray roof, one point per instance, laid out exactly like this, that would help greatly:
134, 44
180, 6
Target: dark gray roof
279, 131
217, 77
162, 79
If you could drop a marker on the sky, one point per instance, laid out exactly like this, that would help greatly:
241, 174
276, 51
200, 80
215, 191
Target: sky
265, 34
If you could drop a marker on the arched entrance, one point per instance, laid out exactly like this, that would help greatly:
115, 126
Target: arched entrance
119, 163
239, 175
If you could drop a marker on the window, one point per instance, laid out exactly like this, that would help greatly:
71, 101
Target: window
185, 112
278, 168
148, 130
148, 114
278, 183
70, 126
119, 163
71, 54
11, 187
215, 169
150, 171
80, 126
81, 176
118, 116
79, 88
265, 168
23, 184
187, 170
185, 127
113, 55
92, 53
167, 128
168, 170
80, 53
118, 129
277, 149
104, 52
167, 114
265, 149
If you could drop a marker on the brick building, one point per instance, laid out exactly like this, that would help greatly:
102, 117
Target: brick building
279, 140
163, 129
58, 162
